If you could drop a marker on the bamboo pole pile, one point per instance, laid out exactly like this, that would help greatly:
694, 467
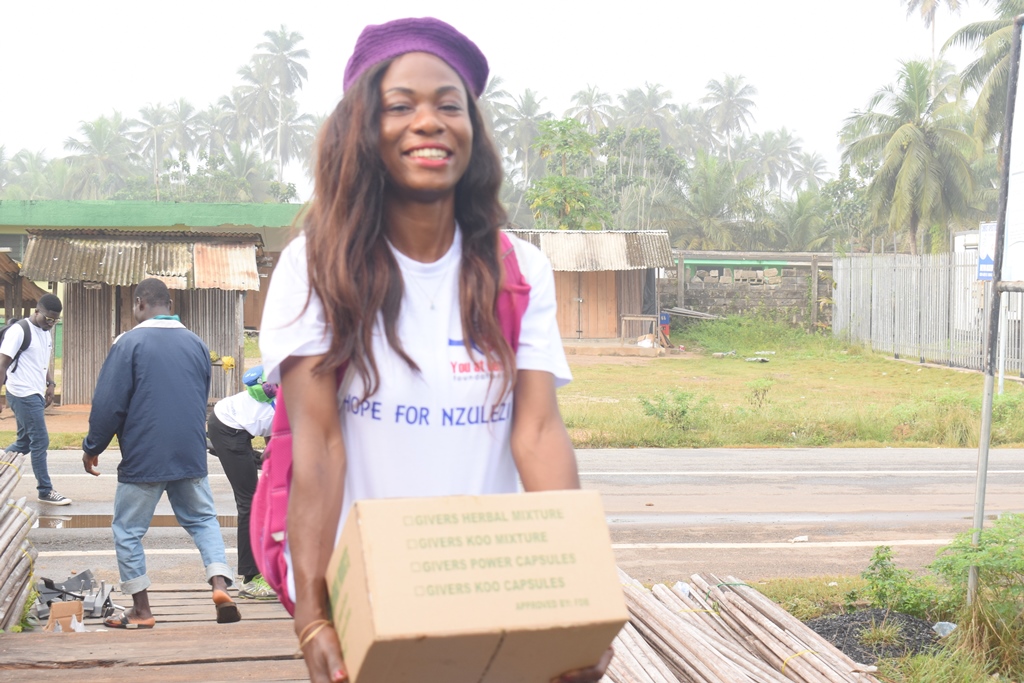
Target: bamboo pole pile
715, 631
17, 556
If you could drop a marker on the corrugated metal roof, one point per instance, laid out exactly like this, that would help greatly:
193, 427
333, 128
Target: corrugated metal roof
183, 264
150, 235
226, 266
9, 272
597, 250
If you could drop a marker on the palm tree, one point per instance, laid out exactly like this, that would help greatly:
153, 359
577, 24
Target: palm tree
693, 130
648, 107
809, 172
29, 177
592, 108
253, 173
150, 134
493, 104
929, 8
295, 136
712, 213
990, 71
916, 130
521, 126
280, 57
239, 126
212, 130
775, 153
105, 156
254, 102
181, 128
800, 224
731, 107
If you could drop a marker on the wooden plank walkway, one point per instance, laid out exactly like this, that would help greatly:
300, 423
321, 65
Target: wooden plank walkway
187, 645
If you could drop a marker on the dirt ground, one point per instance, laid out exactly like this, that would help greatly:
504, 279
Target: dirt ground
71, 418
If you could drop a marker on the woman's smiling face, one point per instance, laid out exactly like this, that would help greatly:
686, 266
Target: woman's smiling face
426, 135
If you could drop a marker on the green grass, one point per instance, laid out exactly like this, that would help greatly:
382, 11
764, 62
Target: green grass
814, 391
881, 634
815, 597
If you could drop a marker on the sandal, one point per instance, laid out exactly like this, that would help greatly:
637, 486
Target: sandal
227, 610
122, 620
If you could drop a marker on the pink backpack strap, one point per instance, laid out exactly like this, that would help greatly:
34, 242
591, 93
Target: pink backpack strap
514, 296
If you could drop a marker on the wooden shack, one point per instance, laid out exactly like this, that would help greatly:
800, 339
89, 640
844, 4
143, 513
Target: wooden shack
605, 281
207, 273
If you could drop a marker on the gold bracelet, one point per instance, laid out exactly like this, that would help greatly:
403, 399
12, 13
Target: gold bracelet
304, 639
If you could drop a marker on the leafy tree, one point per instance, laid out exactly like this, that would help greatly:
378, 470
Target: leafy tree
848, 216
732, 107
638, 174
566, 199
915, 130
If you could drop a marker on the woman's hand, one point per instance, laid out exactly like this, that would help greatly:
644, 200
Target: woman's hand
323, 657
591, 674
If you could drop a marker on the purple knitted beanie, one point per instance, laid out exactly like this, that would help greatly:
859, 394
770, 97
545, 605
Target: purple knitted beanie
383, 41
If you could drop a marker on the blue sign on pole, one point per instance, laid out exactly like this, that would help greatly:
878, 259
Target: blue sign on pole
986, 250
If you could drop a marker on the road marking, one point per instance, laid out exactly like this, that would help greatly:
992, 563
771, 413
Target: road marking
802, 473
111, 553
787, 545
615, 546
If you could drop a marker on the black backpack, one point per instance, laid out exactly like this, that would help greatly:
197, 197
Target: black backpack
24, 342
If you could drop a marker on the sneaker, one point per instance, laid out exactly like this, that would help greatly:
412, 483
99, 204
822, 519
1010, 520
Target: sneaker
54, 498
257, 589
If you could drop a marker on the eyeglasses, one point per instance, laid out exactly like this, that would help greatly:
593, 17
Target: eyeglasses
52, 321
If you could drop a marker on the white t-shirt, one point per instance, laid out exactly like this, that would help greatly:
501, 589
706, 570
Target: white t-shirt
439, 431
29, 377
242, 411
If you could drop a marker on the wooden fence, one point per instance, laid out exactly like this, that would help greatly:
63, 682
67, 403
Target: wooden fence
931, 308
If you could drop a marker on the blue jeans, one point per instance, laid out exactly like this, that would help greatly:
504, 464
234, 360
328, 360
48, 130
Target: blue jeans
32, 436
192, 502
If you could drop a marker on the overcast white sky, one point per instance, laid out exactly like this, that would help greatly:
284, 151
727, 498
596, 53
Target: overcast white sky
812, 61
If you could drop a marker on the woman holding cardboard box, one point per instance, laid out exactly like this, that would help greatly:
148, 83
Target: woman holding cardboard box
395, 281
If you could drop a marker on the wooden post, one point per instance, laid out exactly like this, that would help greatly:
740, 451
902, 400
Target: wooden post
8, 301
681, 282
814, 291
19, 302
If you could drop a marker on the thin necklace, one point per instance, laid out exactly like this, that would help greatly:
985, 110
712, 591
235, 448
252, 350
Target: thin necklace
437, 290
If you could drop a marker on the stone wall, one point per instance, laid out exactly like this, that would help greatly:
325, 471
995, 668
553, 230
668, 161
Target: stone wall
779, 292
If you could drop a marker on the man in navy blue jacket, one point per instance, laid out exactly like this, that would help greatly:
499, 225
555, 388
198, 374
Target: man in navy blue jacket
152, 393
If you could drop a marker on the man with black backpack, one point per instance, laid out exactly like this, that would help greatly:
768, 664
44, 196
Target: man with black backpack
25, 348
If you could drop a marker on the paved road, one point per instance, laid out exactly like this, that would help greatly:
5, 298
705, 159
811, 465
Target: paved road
671, 512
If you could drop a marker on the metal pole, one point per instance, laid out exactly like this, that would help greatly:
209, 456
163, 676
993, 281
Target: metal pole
993, 322
1002, 343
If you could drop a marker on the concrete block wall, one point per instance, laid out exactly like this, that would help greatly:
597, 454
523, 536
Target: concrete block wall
780, 292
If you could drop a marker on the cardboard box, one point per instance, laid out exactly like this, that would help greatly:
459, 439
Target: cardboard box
475, 589
61, 612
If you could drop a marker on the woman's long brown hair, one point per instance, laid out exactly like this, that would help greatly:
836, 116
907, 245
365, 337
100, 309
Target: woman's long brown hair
351, 267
